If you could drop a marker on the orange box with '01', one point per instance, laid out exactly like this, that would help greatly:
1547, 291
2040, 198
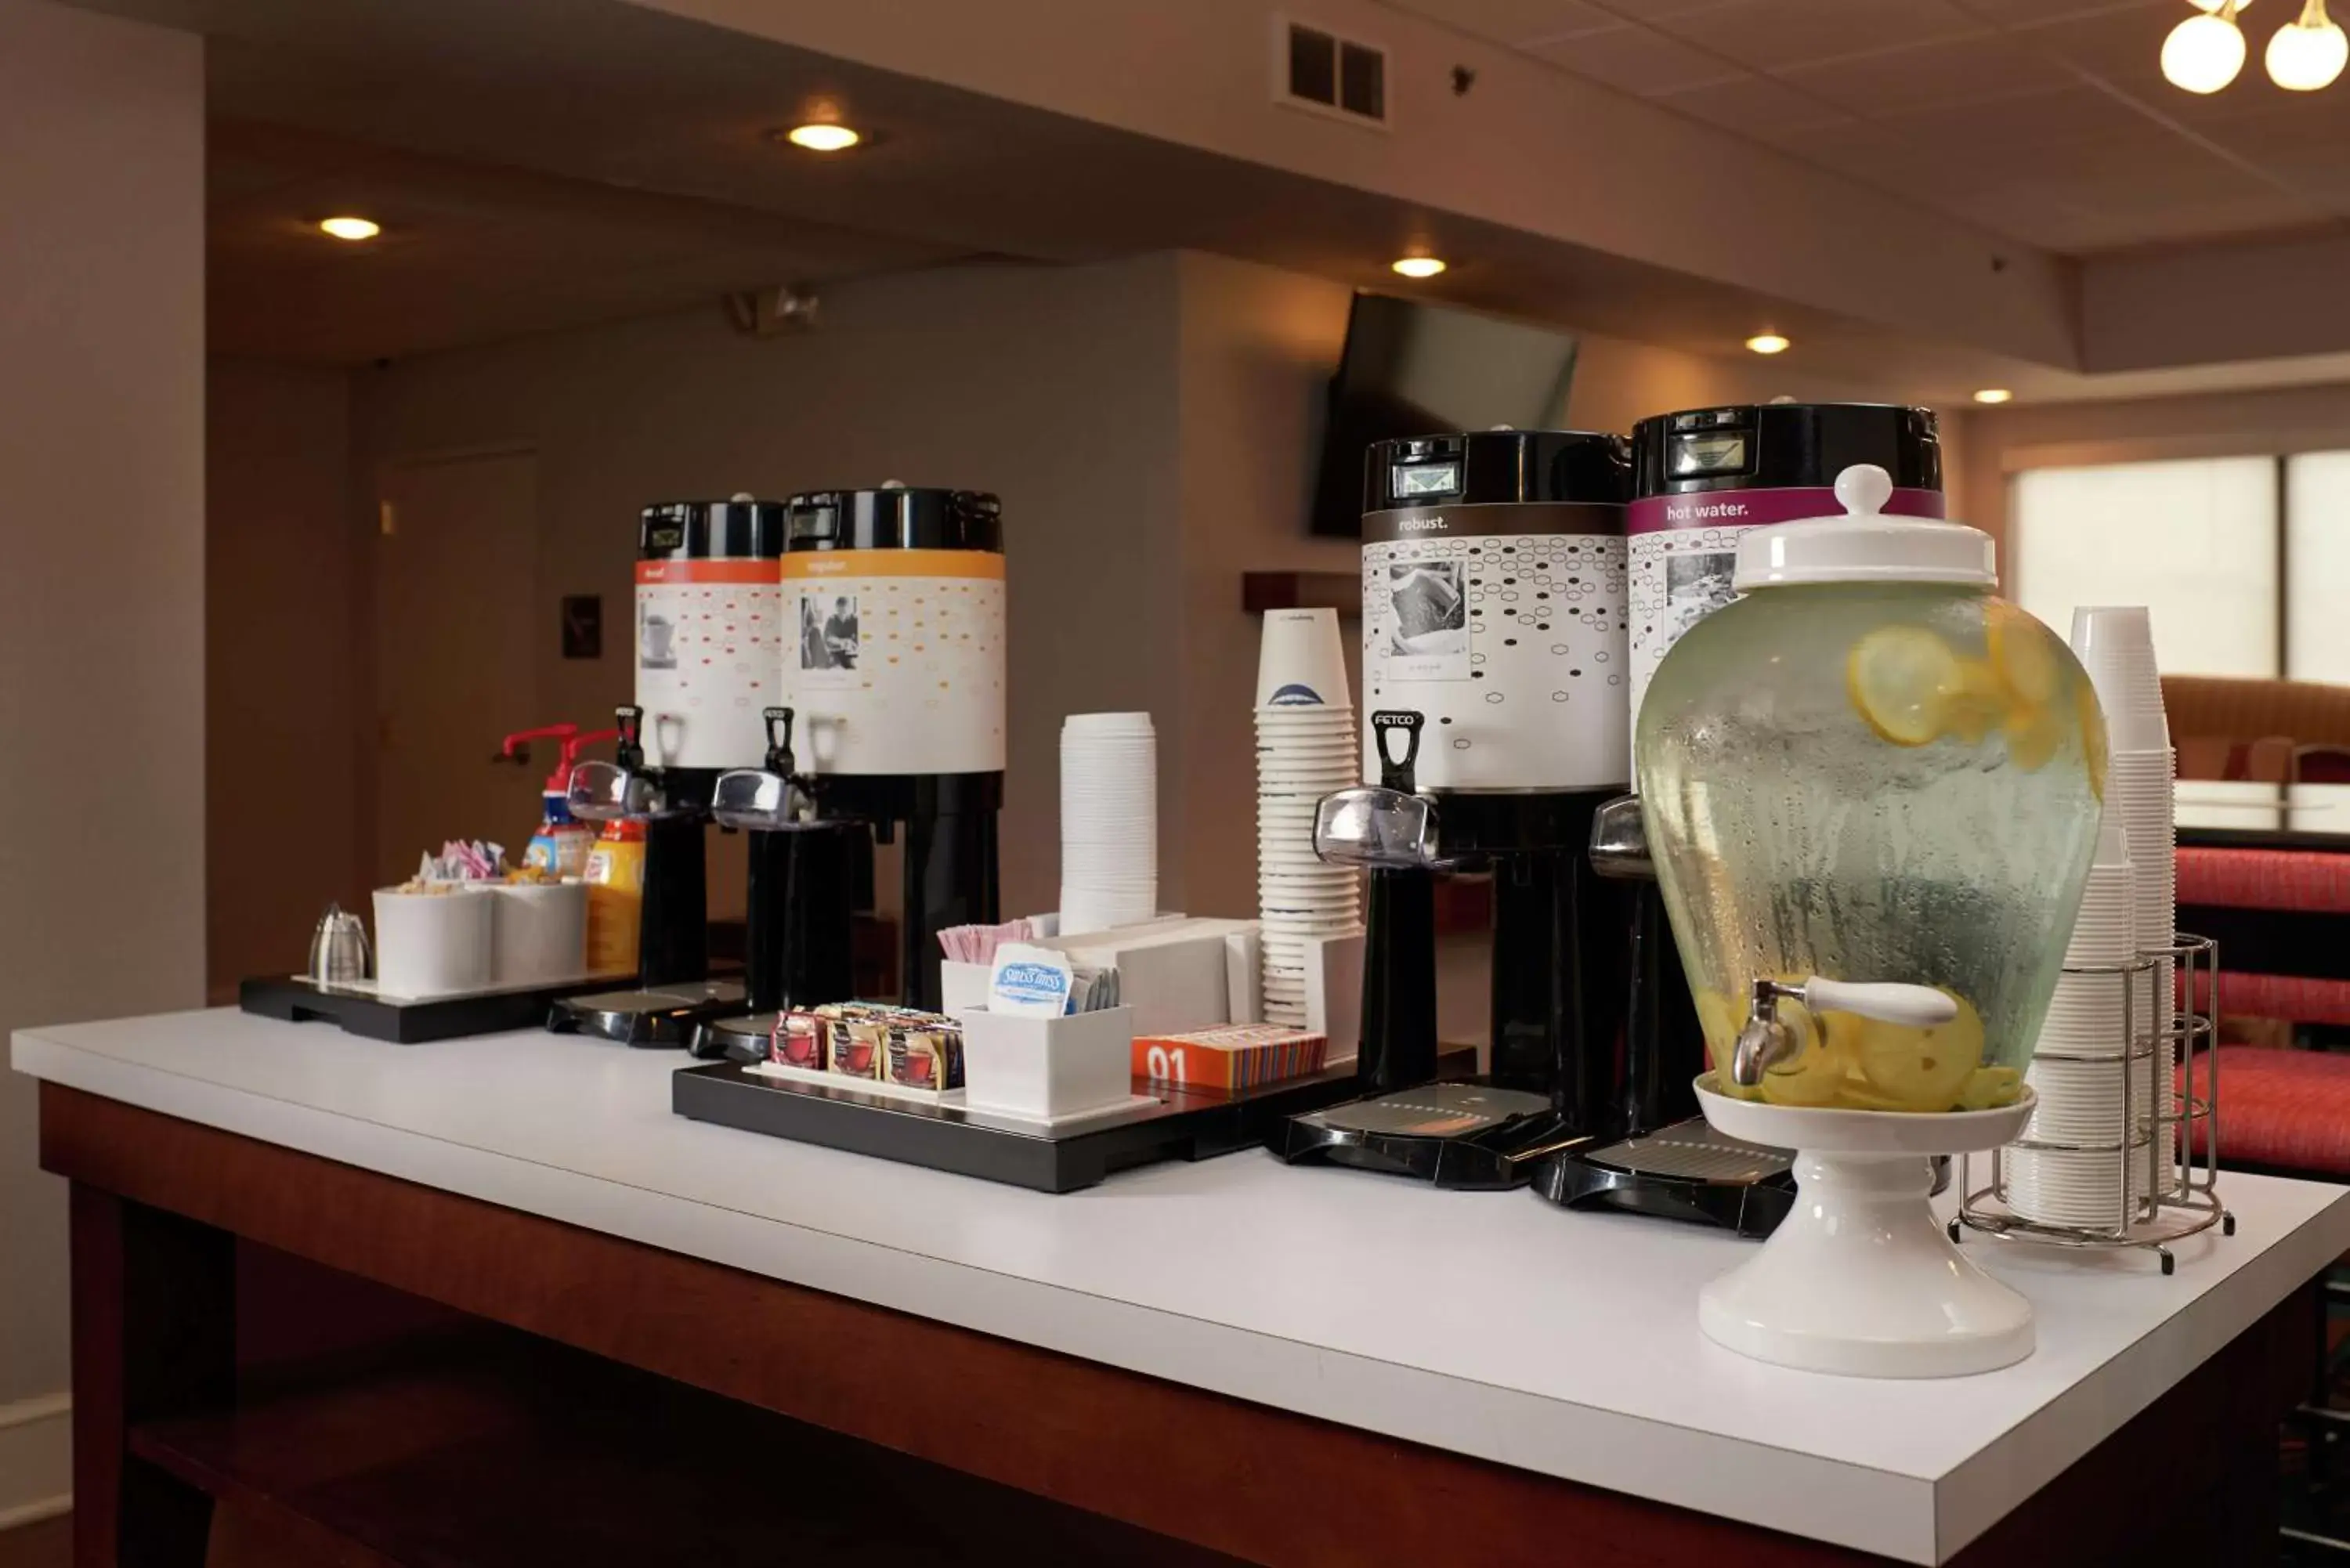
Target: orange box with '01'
1230, 1056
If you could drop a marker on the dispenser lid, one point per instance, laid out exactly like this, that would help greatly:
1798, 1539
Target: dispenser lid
1783, 446
1497, 467
1864, 546
894, 516
741, 526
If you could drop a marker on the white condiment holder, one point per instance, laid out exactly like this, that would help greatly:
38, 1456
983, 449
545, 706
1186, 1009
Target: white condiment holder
1046, 1068
1333, 993
433, 944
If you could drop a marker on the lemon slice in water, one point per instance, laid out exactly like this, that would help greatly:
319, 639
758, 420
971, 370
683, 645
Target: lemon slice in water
1922, 1069
2018, 645
1900, 679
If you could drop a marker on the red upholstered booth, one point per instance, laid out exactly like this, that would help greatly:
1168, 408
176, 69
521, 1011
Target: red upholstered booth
2279, 1109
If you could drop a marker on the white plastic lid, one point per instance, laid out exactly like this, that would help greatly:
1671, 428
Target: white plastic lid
1864, 546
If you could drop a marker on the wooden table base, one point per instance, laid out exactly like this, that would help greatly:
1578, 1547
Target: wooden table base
158, 1203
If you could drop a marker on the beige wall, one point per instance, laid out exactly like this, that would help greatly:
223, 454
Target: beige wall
1049, 386
1153, 426
102, 608
281, 684
1255, 360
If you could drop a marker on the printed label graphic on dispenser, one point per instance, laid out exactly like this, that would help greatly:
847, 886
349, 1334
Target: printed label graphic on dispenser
707, 633
1505, 625
1684, 553
896, 659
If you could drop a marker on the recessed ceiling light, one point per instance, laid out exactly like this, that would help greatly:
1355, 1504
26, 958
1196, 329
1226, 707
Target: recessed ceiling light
349, 228
1993, 395
823, 136
1417, 266
1767, 343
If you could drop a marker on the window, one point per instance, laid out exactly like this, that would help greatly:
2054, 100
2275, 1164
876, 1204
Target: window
2317, 566
2242, 560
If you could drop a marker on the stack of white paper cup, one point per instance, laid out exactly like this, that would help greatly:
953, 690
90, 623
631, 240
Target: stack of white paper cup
2081, 1101
1304, 750
2115, 646
1109, 821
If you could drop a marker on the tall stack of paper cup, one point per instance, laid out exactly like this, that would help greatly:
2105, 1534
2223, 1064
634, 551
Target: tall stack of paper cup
1304, 750
1109, 821
2086, 1036
2115, 646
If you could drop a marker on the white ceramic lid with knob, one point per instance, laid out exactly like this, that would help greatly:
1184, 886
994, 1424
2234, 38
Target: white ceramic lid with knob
1864, 546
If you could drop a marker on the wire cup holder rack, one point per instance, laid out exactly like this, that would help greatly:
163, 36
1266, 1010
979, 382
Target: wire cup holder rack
2170, 1071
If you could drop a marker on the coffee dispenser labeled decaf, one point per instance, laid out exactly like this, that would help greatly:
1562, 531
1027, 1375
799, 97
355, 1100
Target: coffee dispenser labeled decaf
893, 611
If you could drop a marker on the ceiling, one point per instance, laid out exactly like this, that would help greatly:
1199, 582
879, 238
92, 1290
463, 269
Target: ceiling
587, 159
2044, 120
473, 252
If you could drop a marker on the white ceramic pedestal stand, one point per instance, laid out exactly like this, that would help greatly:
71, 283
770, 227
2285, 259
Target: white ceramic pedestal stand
1859, 1279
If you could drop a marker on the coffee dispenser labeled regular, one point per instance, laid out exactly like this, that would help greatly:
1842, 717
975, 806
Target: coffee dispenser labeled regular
893, 603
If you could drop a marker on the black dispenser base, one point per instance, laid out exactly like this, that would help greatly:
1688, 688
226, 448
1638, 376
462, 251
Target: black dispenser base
657, 1017
1466, 1134
1686, 1171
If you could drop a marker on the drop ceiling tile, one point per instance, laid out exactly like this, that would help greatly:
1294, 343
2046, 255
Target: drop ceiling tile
1514, 21
2036, 13
2124, 50
1774, 35
1929, 175
1638, 61
1762, 110
1930, 76
2029, 120
2305, 144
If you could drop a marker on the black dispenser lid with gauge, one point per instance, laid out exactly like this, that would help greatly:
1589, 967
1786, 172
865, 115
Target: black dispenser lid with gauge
896, 517
1784, 446
737, 528
1497, 467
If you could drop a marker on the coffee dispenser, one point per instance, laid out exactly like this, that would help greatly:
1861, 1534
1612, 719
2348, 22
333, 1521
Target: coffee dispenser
631, 801
1493, 625
800, 899
708, 636
893, 605
1703, 477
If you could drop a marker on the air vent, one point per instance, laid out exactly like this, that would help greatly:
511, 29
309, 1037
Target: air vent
1319, 70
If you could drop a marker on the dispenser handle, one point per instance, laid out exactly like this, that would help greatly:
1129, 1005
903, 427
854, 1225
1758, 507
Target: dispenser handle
1918, 1006
779, 740
515, 748
629, 719
1765, 1042
1398, 773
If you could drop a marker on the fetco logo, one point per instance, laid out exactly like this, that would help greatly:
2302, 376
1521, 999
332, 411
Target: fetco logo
1421, 524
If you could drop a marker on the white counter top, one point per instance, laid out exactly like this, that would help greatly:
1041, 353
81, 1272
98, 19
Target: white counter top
1488, 1324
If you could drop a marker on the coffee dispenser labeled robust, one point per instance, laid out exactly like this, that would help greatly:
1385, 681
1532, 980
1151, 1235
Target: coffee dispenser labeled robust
1493, 626
893, 606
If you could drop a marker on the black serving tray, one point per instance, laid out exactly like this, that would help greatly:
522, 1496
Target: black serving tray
299, 1000
1186, 1123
